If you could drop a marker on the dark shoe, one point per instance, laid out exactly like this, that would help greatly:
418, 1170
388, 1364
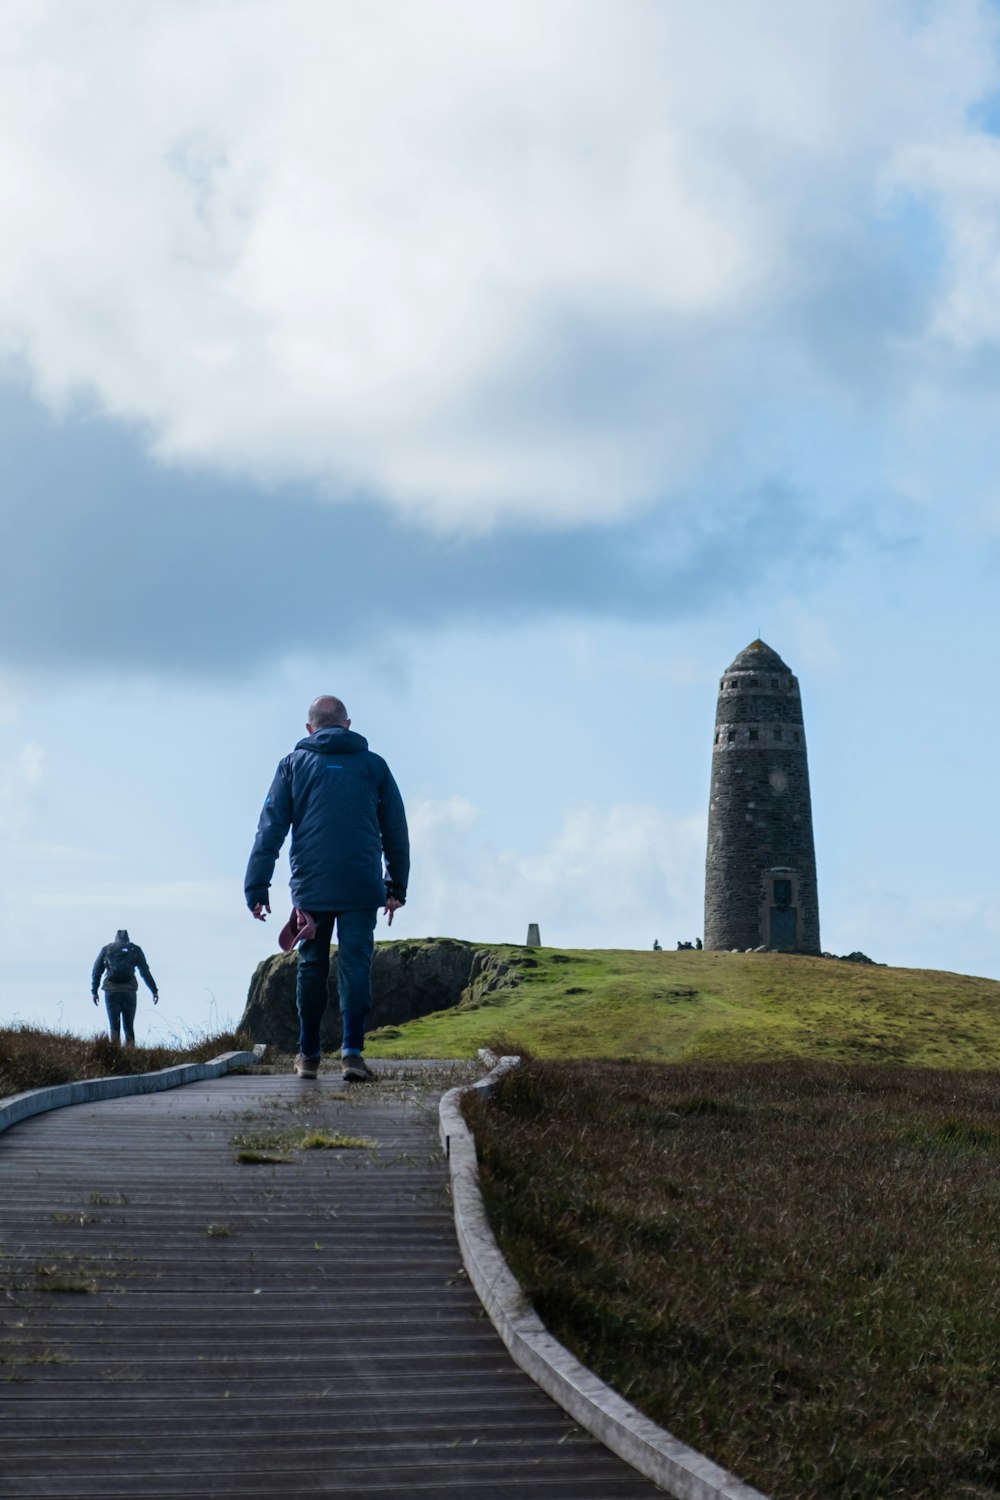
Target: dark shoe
307, 1067
356, 1070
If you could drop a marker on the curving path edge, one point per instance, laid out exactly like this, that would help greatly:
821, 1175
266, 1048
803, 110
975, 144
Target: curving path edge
654, 1452
86, 1091
651, 1450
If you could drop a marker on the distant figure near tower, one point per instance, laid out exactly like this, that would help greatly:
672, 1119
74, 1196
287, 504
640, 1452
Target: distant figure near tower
760, 872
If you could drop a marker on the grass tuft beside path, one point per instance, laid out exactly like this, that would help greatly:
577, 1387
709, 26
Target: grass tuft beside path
792, 1267
34, 1058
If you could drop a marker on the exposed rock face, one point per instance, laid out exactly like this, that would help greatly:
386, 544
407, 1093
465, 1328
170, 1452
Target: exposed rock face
409, 979
493, 969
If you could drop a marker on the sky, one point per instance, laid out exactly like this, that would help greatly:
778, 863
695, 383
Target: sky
505, 371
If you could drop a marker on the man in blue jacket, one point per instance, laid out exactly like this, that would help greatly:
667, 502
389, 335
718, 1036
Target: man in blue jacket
346, 817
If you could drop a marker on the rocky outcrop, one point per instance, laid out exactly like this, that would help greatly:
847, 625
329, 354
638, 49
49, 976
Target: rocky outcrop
409, 979
493, 969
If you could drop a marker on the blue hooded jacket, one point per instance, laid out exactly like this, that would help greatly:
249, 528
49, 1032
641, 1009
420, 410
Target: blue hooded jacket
345, 813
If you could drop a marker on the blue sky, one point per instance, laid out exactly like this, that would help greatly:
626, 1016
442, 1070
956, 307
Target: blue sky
504, 374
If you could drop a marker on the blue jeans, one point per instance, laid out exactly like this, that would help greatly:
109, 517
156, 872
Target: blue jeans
356, 944
120, 1005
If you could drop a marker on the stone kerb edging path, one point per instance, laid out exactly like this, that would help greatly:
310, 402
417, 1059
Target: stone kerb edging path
88, 1090
650, 1449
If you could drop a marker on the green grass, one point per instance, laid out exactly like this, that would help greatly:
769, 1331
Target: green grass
273, 1147
323, 1140
43, 1357
33, 1057
791, 1266
64, 1279
696, 1006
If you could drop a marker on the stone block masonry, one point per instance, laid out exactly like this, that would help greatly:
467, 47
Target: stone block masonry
760, 868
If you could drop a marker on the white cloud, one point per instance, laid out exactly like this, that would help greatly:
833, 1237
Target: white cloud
202, 947
431, 817
20, 779
957, 933
9, 708
171, 900
480, 261
816, 649
613, 877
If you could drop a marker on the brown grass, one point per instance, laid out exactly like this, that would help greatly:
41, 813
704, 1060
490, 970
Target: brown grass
792, 1267
34, 1058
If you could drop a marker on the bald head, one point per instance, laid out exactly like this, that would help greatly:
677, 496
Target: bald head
326, 712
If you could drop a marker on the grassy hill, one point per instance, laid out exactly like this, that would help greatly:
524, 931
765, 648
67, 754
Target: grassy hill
696, 1006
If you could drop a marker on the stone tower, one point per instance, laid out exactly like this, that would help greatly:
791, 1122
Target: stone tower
760, 872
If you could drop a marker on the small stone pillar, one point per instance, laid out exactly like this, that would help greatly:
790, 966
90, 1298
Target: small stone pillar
533, 940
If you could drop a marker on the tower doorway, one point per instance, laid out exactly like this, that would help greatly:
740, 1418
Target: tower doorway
781, 911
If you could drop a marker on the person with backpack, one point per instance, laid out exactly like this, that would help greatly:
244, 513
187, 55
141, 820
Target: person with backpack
118, 961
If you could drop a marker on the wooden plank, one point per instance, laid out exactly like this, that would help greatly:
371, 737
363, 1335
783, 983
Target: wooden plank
323, 1341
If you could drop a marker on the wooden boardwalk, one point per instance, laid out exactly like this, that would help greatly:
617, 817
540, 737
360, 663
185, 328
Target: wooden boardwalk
176, 1323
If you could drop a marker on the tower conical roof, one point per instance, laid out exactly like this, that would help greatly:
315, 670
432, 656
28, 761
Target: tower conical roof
760, 657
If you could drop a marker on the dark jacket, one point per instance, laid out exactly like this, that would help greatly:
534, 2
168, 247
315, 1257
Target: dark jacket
345, 813
131, 958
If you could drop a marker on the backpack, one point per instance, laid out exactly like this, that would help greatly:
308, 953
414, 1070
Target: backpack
121, 964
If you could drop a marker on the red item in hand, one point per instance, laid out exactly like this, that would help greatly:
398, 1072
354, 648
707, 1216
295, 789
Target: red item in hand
299, 927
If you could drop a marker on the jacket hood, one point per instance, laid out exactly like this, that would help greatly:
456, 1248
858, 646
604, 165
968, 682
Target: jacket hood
121, 936
333, 742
